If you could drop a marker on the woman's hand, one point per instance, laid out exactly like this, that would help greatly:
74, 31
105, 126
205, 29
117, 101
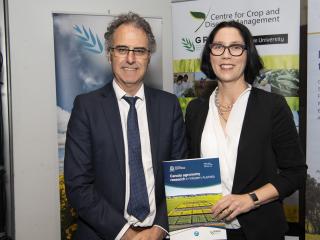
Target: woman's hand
230, 206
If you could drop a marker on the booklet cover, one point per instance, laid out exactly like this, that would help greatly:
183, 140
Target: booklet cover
192, 187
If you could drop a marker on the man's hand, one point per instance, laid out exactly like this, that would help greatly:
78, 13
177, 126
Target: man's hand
153, 233
129, 234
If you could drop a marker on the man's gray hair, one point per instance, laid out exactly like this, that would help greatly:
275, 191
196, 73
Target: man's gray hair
132, 19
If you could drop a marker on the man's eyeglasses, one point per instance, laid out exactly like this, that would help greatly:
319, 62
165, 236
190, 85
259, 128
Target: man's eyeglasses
123, 51
235, 50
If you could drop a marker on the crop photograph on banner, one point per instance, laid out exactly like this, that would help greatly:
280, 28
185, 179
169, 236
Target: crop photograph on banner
81, 66
275, 29
313, 123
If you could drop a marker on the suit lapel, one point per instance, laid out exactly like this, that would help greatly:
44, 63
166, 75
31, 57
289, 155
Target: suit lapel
247, 167
112, 114
153, 115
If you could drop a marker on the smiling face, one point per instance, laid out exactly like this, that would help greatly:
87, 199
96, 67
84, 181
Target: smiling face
226, 67
129, 69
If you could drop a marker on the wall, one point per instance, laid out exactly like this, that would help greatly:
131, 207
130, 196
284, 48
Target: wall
36, 196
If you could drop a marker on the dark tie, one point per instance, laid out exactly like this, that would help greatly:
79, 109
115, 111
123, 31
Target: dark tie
138, 205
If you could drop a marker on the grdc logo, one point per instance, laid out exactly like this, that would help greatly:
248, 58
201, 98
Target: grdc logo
197, 43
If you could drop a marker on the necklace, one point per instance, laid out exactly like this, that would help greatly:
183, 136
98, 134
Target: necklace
222, 109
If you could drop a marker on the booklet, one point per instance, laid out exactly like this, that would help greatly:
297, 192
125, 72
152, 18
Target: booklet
192, 187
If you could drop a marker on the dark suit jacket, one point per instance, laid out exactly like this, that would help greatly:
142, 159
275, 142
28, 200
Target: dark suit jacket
269, 151
95, 159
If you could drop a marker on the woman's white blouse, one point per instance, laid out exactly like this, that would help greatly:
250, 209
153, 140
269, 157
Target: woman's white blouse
215, 142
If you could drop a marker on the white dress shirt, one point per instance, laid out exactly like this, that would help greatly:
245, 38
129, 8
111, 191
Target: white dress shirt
145, 152
215, 142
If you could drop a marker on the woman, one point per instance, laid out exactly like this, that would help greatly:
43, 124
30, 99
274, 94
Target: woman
253, 134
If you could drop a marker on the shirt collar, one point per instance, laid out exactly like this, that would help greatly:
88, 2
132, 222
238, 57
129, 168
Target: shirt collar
120, 93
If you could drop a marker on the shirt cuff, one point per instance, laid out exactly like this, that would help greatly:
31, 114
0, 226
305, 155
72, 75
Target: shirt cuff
122, 232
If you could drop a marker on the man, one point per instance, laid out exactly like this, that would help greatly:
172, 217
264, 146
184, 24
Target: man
118, 135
